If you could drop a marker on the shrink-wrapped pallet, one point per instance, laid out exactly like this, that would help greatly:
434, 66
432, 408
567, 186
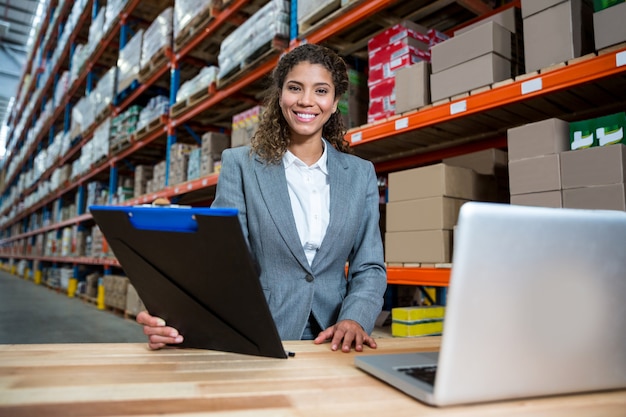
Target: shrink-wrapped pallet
157, 36
100, 141
79, 57
113, 10
157, 106
185, 11
102, 96
129, 62
271, 21
202, 80
96, 30
61, 87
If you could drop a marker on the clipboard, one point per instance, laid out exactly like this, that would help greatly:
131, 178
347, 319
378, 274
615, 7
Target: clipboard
192, 267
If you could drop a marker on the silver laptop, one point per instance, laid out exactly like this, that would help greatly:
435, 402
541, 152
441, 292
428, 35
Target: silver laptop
536, 306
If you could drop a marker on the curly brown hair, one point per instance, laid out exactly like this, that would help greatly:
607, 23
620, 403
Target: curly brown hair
272, 137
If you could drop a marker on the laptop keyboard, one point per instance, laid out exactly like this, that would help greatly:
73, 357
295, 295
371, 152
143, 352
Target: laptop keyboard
423, 373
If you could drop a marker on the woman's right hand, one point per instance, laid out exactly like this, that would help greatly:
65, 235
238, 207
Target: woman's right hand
158, 333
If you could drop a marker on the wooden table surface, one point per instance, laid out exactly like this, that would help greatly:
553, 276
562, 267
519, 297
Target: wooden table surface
130, 380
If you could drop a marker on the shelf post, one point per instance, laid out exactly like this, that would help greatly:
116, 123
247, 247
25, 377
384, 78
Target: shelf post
293, 21
37, 273
80, 200
73, 282
100, 296
112, 182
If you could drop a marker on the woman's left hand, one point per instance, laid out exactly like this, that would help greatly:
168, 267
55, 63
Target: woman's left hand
345, 334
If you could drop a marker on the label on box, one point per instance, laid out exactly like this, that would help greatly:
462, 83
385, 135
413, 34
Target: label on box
601, 131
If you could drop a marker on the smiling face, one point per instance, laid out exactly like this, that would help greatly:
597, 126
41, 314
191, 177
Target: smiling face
307, 100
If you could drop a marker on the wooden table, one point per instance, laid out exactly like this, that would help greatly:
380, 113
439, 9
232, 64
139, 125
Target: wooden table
130, 380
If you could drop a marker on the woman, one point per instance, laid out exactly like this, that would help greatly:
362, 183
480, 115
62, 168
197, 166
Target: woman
306, 207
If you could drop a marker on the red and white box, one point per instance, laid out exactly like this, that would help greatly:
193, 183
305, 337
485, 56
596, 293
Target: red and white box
398, 33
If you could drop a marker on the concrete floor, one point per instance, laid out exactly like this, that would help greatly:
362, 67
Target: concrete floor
32, 313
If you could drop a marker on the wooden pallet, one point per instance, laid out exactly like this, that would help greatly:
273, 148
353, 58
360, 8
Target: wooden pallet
318, 14
321, 17
102, 115
119, 145
187, 104
208, 49
269, 49
149, 127
197, 23
158, 60
87, 299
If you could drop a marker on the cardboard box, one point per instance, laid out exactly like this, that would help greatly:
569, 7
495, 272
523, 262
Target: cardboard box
478, 72
558, 34
600, 197
423, 214
487, 162
552, 199
531, 7
550, 136
398, 33
602, 165
437, 180
533, 175
483, 39
382, 89
426, 246
412, 87
214, 143
398, 49
609, 26
380, 72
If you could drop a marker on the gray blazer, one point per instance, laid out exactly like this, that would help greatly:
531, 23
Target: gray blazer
294, 289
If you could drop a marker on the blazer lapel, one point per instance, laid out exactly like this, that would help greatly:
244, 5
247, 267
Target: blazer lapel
273, 186
340, 193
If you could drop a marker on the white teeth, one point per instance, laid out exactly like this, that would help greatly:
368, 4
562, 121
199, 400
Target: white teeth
305, 115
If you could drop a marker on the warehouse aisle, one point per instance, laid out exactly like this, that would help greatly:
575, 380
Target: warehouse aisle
31, 313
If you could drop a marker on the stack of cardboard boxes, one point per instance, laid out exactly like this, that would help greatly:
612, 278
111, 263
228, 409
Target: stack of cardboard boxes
397, 47
157, 182
556, 31
473, 59
478, 55
245, 125
179, 160
423, 208
115, 289
592, 176
608, 22
213, 144
143, 173
534, 162
544, 170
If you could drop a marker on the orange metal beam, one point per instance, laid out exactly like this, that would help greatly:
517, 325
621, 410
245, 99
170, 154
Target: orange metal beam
541, 84
364, 10
225, 15
436, 277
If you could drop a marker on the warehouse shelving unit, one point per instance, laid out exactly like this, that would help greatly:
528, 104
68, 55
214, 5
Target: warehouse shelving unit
585, 87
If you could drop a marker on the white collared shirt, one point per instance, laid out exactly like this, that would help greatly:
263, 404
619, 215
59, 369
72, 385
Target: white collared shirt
309, 192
